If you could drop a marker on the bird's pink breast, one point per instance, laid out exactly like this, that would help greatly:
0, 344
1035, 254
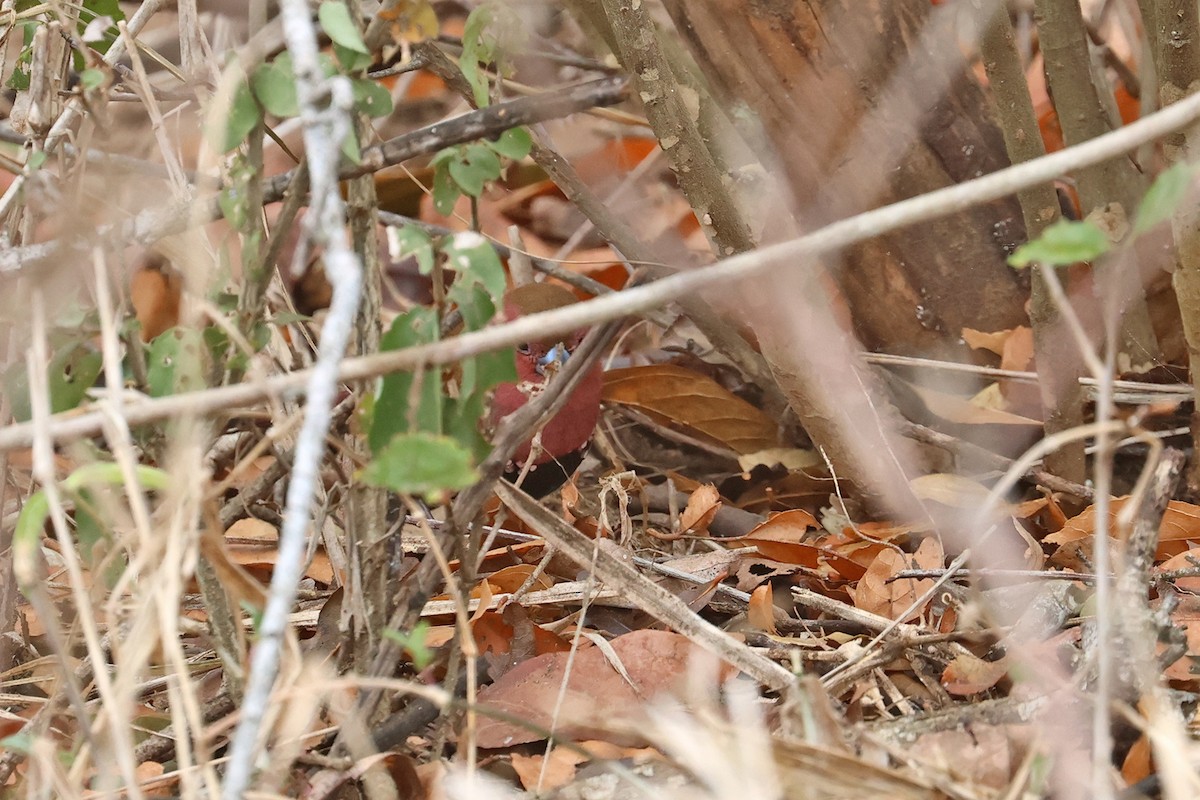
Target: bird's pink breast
569, 430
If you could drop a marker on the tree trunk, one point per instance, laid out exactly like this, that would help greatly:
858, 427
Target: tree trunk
866, 104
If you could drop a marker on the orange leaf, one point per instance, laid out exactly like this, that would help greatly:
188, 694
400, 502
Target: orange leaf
703, 505
542, 775
154, 293
761, 611
874, 593
779, 538
596, 694
1180, 525
968, 674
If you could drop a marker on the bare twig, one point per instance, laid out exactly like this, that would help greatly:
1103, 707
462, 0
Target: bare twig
325, 105
631, 301
649, 596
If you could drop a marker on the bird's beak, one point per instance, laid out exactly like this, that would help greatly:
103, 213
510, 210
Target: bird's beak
556, 356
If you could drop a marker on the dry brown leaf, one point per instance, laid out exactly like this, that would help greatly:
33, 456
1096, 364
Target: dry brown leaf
253, 544
1186, 617
1138, 763
780, 538
955, 409
875, 594
510, 579
968, 674
597, 697
981, 340
980, 755
1180, 527
694, 403
1017, 353
760, 612
950, 490
154, 293
703, 504
559, 769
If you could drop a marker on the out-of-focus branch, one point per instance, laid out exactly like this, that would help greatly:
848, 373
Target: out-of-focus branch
325, 105
1058, 364
785, 255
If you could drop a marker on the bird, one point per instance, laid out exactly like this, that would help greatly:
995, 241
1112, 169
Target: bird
555, 453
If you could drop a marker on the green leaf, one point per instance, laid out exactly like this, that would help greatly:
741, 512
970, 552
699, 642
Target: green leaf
100, 39
350, 148
414, 643
470, 179
444, 155
1064, 242
91, 78
514, 144
20, 742
19, 80
422, 463
410, 240
478, 48
288, 318
275, 87
445, 191
339, 26
473, 300
485, 159
1163, 197
243, 115
371, 98
28, 529
72, 371
175, 363
393, 409
462, 419
351, 60
477, 166
474, 258
35, 161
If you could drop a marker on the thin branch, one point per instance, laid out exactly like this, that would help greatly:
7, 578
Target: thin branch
325, 105
789, 254
153, 224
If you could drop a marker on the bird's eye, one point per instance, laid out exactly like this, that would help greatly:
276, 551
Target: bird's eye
523, 349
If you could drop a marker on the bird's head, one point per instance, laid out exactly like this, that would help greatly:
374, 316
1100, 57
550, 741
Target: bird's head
538, 359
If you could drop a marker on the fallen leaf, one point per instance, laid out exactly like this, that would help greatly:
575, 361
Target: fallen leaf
703, 505
968, 674
597, 698
950, 490
780, 538
540, 774
875, 594
694, 403
760, 612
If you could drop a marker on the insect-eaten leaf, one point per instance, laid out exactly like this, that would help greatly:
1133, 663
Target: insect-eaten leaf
514, 143
71, 372
421, 463
1064, 242
175, 363
409, 240
371, 98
